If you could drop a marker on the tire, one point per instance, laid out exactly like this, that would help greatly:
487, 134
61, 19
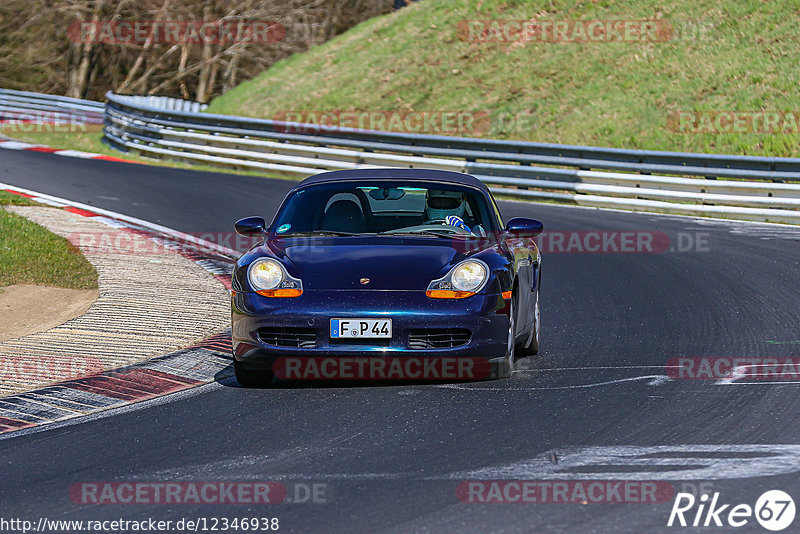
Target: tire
248, 378
506, 368
532, 347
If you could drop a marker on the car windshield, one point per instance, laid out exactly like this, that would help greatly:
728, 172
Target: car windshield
386, 208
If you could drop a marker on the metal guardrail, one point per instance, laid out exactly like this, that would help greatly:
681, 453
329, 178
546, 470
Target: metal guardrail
26, 106
757, 188
167, 103
55, 100
518, 152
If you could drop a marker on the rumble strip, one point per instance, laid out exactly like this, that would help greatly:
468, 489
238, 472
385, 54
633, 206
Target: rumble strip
114, 354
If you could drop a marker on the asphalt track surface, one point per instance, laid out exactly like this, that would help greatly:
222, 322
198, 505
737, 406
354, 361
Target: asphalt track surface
391, 457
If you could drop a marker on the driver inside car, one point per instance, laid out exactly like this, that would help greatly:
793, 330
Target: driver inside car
447, 207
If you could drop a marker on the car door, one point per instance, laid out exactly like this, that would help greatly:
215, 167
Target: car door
523, 253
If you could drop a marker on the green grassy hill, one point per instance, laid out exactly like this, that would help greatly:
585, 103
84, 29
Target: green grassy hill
727, 55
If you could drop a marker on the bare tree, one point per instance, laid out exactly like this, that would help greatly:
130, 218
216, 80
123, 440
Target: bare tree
44, 45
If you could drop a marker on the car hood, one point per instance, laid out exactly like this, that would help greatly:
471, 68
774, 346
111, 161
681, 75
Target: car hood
388, 263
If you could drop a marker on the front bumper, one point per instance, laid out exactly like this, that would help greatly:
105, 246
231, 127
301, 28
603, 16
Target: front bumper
485, 316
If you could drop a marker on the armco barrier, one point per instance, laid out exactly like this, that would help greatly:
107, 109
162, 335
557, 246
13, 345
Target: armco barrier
754, 188
23, 105
513, 169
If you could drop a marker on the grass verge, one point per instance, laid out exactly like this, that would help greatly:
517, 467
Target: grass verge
30, 254
730, 55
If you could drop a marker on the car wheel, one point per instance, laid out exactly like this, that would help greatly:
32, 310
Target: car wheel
507, 366
533, 343
249, 378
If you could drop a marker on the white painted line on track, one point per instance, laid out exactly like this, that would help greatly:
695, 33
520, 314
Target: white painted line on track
611, 463
655, 380
122, 217
596, 368
769, 383
660, 462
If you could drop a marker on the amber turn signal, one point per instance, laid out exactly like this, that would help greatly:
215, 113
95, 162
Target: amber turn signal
448, 294
280, 293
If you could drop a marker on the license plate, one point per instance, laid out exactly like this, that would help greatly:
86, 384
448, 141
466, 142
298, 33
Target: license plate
361, 328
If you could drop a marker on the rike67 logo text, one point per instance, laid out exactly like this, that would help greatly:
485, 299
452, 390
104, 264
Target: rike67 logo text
774, 510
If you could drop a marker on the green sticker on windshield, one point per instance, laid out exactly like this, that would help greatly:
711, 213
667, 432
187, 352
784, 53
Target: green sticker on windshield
283, 228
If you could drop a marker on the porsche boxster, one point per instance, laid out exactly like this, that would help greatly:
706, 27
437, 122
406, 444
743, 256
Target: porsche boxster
386, 274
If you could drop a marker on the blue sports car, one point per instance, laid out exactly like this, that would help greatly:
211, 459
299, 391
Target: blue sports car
397, 274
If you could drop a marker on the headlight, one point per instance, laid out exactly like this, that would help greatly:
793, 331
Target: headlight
265, 274
469, 276
463, 280
268, 278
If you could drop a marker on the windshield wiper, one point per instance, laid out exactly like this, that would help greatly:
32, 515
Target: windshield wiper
424, 232
321, 232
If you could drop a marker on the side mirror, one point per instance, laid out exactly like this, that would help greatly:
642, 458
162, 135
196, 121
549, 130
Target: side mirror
251, 226
522, 227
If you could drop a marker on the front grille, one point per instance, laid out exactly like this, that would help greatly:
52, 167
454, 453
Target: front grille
288, 336
438, 338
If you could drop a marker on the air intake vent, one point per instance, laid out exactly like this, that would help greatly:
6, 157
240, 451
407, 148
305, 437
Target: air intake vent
438, 338
288, 336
